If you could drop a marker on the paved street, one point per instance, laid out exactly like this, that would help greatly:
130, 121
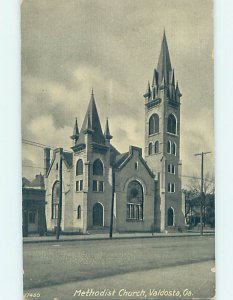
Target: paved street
148, 267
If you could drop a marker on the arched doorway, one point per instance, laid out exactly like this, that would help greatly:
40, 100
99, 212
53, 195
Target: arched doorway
170, 217
98, 214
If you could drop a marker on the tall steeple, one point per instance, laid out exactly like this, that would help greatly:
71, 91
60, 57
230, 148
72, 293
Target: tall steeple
164, 66
162, 138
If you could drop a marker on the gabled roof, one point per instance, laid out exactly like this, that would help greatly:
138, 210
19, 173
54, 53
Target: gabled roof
120, 159
37, 182
113, 154
91, 122
68, 158
123, 159
25, 182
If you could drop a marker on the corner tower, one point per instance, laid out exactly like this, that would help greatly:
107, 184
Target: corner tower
162, 140
91, 177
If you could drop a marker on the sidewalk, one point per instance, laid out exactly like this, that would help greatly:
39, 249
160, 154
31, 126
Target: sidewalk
105, 236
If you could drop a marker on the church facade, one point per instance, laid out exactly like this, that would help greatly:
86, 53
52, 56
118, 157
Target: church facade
142, 194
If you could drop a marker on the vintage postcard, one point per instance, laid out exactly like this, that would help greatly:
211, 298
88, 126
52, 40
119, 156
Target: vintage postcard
118, 193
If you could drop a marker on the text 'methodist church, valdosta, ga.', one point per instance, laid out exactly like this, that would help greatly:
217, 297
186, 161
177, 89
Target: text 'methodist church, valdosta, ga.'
147, 191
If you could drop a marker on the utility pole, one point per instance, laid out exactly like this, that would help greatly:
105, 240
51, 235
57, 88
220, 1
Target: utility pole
202, 187
112, 205
60, 196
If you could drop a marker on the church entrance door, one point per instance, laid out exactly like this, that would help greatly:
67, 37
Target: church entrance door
170, 217
98, 214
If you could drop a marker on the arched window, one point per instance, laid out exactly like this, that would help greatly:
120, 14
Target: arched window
79, 212
157, 147
150, 149
98, 168
154, 124
79, 167
171, 124
174, 148
169, 147
55, 199
134, 201
170, 217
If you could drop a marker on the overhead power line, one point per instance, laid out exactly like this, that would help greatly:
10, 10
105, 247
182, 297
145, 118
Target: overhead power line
40, 145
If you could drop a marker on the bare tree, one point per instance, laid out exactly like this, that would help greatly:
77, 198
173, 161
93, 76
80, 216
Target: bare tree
194, 192
208, 184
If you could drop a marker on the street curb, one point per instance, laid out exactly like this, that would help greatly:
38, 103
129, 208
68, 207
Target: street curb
113, 238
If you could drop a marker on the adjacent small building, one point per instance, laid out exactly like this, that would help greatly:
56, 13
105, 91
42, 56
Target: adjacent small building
33, 196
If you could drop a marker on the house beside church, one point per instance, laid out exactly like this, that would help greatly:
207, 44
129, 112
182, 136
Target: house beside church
146, 190
33, 206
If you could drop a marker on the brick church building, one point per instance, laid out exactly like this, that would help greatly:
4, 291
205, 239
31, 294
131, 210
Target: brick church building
146, 190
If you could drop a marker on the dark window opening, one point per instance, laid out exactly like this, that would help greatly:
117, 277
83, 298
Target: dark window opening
154, 124
171, 124
79, 212
79, 167
98, 168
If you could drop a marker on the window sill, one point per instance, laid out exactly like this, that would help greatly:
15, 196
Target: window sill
173, 134
154, 153
134, 220
153, 134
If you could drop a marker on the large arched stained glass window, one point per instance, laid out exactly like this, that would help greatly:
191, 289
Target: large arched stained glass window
98, 168
154, 124
134, 201
55, 199
171, 124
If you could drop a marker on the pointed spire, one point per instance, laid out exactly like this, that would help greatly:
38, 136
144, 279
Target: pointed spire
89, 121
173, 77
91, 124
76, 131
164, 62
148, 91
75, 135
107, 134
178, 93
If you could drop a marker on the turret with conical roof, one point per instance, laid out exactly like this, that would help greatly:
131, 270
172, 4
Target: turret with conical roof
91, 125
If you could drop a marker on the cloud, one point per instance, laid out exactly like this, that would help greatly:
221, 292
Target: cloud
70, 47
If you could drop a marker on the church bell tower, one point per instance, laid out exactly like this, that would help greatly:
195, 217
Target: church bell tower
162, 141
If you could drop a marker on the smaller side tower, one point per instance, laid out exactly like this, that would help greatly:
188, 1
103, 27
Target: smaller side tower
91, 175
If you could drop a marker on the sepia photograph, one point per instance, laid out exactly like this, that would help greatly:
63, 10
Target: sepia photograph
118, 158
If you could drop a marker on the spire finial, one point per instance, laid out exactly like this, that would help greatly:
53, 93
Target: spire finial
92, 92
107, 134
75, 135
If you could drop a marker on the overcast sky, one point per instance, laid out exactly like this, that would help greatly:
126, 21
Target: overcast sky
70, 47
